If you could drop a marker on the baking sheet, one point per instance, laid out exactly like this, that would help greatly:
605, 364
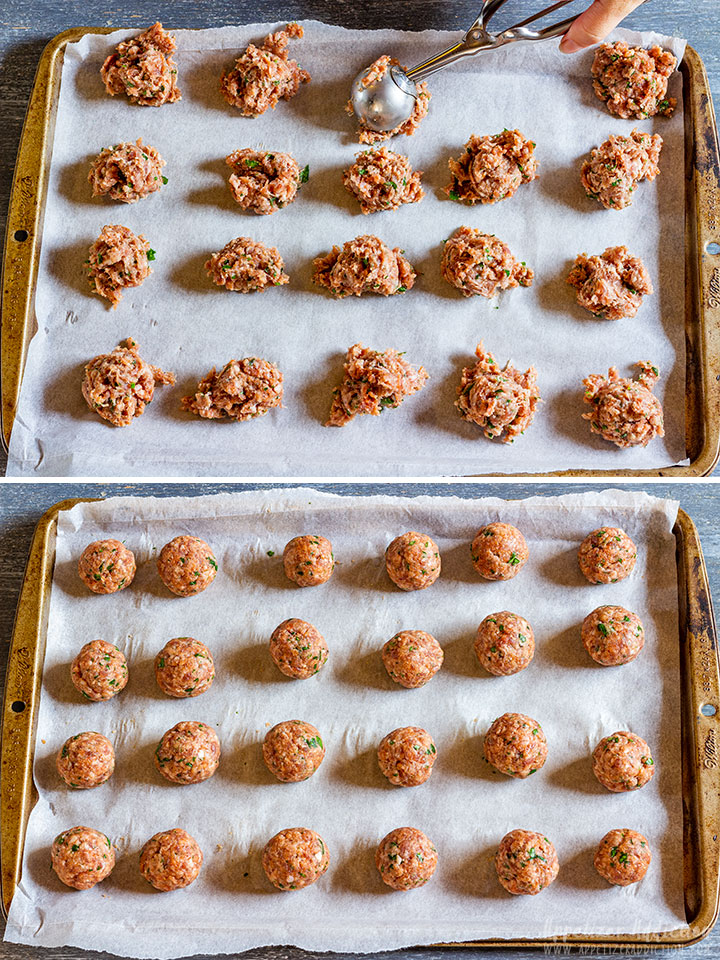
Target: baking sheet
465, 808
185, 324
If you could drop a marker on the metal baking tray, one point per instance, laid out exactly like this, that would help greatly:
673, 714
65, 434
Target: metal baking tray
700, 739
702, 268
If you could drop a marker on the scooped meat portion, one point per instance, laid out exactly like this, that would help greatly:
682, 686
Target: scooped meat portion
412, 561
625, 412
623, 857
263, 182
262, 76
127, 172
633, 81
106, 566
99, 671
613, 635
118, 259
406, 756
499, 551
245, 265
184, 668
298, 649
516, 745
607, 555
374, 380
171, 860
308, 560
364, 265
383, 180
187, 566
242, 390
295, 858
500, 401
412, 658
505, 643
478, 264
119, 385
623, 762
86, 760
526, 862
491, 168
408, 127
617, 166
406, 858
143, 69
82, 857
188, 753
611, 285
293, 750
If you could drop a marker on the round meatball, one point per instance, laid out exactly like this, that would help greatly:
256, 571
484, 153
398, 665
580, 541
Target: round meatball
624, 412
406, 858
612, 635
406, 756
118, 259
293, 750
623, 762
99, 671
187, 566
295, 858
616, 167
119, 385
184, 668
500, 400
382, 180
245, 265
308, 560
526, 862
106, 566
364, 265
86, 760
607, 555
623, 857
491, 168
480, 264
127, 172
611, 285
373, 74
188, 753
242, 390
171, 860
413, 561
263, 182
143, 69
412, 657
82, 857
264, 75
633, 81
499, 551
298, 649
516, 745
505, 643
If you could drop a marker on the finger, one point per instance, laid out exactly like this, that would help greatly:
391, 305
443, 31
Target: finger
595, 23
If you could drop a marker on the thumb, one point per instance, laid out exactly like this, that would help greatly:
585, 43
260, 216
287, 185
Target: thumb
595, 23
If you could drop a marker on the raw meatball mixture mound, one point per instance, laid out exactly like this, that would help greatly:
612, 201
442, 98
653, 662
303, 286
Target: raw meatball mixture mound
422, 103
505, 643
242, 390
187, 566
293, 750
106, 566
516, 745
262, 76
308, 560
119, 385
184, 668
607, 555
492, 168
116, 260
373, 381
500, 401
99, 671
364, 265
406, 858
86, 760
263, 182
623, 762
406, 756
295, 858
171, 860
298, 649
82, 857
383, 180
617, 166
245, 266
625, 412
412, 658
623, 857
479, 264
188, 753
612, 635
412, 561
499, 551
611, 285
143, 69
632, 81
526, 862
127, 172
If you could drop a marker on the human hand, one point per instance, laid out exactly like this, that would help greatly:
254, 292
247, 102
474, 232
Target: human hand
596, 22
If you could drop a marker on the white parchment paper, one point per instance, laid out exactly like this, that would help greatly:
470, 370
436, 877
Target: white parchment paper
185, 324
465, 807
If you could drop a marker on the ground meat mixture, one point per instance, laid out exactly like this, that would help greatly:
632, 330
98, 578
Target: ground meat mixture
364, 265
613, 635
406, 858
516, 745
119, 385
492, 168
171, 860
127, 172
298, 649
188, 753
607, 555
500, 401
106, 566
295, 858
409, 126
406, 756
632, 81
374, 380
262, 76
623, 762
116, 260
308, 560
293, 750
184, 668
526, 862
478, 264
412, 658
187, 566
242, 390
86, 760
82, 857
143, 69
499, 551
611, 285
617, 166
246, 266
99, 671
383, 180
264, 182
505, 643
625, 412
412, 561
623, 857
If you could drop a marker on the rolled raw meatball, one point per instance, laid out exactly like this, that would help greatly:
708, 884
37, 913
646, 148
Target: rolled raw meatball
298, 649
106, 566
127, 172
82, 857
611, 285
406, 756
623, 857
499, 551
364, 265
245, 265
501, 401
406, 858
516, 745
242, 390
118, 259
99, 671
623, 762
383, 180
188, 753
184, 668
478, 264
526, 862
607, 555
263, 182
491, 168
264, 75
171, 860
624, 412
374, 380
412, 561
119, 385
633, 81
612, 635
295, 858
617, 166
143, 69
187, 566
86, 760
505, 643
293, 750
409, 126
412, 658
308, 560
